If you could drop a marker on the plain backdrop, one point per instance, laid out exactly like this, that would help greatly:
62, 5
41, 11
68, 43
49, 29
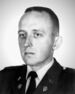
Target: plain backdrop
10, 13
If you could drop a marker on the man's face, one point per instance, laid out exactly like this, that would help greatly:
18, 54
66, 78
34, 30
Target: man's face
35, 38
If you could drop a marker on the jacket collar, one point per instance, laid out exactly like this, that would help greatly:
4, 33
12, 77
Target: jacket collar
49, 81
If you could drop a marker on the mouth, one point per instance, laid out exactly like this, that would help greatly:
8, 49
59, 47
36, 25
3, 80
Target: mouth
29, 53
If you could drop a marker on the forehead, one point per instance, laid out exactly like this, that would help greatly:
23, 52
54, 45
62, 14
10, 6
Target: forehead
31, 19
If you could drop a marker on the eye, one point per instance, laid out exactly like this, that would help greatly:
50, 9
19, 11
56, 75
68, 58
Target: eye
37, 35
22, 36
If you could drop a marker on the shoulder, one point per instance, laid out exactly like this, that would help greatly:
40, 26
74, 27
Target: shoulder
10, 72
67, 80
65, 72
13, 69
9, 76
68, 73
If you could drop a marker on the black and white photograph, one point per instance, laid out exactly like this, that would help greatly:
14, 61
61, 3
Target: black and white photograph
37, 47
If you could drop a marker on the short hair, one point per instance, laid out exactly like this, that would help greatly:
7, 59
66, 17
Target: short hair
52, 15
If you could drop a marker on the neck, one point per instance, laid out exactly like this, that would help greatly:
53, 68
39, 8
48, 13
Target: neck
39, 66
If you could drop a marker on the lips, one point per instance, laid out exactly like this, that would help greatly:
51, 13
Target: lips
29, 53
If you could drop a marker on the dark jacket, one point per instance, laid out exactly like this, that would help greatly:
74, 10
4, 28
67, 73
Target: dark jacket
57, 80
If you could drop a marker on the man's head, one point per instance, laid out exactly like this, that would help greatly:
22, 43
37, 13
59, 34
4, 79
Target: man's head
38, 32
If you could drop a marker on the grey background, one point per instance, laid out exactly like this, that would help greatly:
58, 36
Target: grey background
10, 13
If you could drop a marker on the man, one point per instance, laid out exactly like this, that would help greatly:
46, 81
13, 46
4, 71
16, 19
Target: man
38, 38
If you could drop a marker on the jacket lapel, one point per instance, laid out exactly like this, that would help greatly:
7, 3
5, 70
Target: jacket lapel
48, 84
19, 82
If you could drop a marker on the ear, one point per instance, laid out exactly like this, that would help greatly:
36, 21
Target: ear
57, 42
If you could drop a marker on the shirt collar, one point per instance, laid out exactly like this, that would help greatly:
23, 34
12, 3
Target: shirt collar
41, 72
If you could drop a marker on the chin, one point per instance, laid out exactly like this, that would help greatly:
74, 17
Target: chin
30, 64
29, 61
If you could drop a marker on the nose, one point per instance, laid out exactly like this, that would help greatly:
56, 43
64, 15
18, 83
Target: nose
28, 42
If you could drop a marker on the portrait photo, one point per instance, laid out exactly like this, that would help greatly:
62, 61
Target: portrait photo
37, 47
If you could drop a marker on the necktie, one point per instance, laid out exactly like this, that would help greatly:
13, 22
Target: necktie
32, 84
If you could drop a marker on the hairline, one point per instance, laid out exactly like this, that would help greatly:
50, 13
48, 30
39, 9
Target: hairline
51, 15
48, 11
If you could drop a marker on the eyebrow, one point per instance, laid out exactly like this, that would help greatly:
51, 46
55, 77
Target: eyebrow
21, 31
38, 30
34, 30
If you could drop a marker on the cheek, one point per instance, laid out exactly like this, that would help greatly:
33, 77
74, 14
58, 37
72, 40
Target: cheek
45, 48
21, 44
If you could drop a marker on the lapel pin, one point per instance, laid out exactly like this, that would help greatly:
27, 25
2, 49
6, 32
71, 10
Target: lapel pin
50, 81
19, 78
45, 88
19, 86
64, 68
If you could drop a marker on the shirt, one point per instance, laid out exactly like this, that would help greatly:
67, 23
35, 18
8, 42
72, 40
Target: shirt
41, 73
